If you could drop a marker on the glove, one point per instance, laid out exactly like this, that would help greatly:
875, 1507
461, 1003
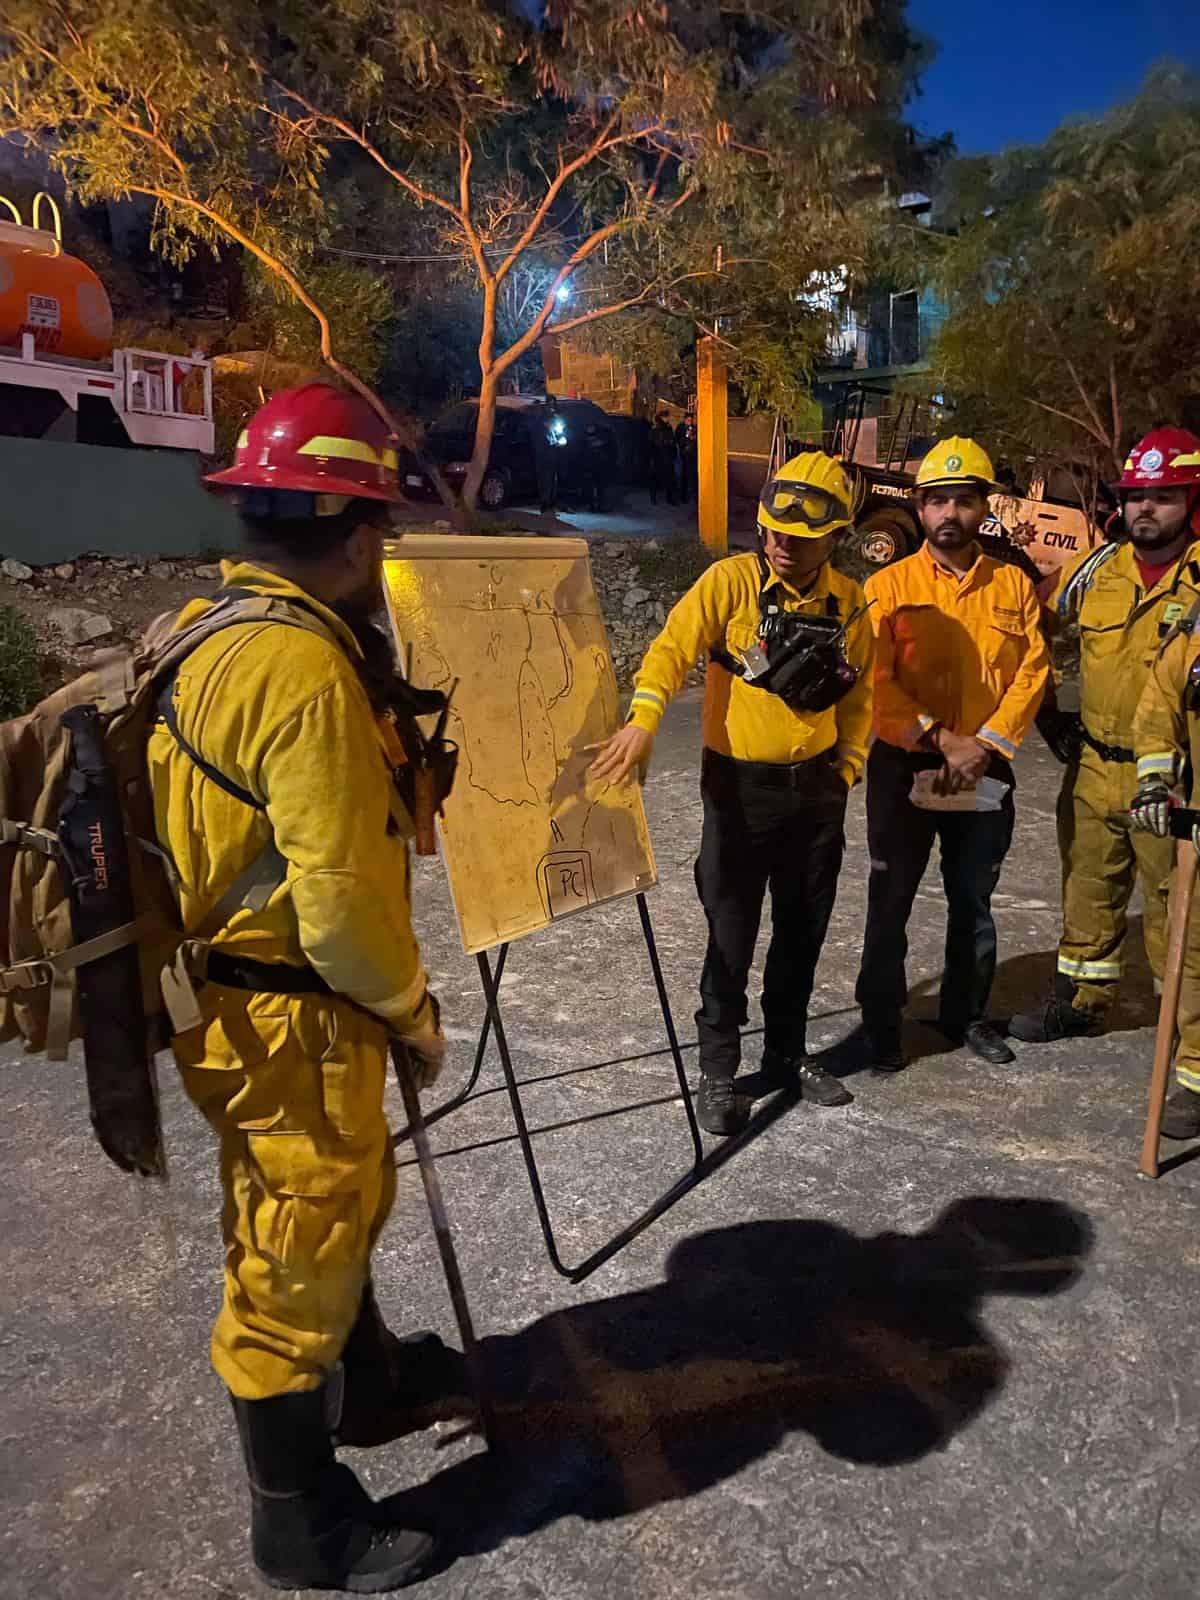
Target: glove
426, 1047
1151, 808
1063, 733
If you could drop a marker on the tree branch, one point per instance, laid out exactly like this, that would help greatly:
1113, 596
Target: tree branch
566, 171
1096, 433
418, 191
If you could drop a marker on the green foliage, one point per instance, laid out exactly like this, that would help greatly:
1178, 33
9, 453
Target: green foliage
20, 668
1073, 284
360, 307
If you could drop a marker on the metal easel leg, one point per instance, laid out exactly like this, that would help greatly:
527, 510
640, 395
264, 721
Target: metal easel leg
468, 1088
669, 1024
696, 1173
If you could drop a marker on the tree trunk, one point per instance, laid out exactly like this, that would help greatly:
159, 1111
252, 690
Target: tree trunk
485, 427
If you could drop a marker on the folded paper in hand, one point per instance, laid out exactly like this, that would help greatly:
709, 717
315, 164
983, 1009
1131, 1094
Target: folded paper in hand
987, 795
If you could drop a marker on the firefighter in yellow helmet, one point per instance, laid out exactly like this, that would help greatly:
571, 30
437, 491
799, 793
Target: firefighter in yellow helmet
787, 709
960, 670
1125, 598
270, 752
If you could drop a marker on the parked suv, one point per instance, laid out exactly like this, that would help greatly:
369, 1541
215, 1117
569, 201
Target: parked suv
511, 475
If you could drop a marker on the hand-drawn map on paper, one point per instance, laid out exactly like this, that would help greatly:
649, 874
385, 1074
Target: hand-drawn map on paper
526, 837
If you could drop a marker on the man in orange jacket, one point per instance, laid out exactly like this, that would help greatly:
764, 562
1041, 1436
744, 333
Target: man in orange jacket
960, 670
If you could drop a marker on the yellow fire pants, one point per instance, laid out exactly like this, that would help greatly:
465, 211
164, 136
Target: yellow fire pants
293, 1086
1102, 857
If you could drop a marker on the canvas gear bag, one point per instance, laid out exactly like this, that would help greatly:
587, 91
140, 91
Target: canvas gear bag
92, 946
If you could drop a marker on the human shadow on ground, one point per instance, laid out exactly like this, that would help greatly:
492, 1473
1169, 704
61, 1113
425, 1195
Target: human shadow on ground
875, 1347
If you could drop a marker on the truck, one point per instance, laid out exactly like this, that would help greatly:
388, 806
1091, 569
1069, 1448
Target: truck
1038, 531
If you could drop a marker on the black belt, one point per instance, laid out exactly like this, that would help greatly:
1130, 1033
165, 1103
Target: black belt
773, 774
1109, 752
263, 977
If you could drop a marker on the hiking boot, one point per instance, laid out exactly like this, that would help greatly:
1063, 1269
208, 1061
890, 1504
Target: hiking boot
388, 1386
784, 1071
1181, 1118
312, 1524
1058, 1019
981, 1039
718, 1109
885, 1042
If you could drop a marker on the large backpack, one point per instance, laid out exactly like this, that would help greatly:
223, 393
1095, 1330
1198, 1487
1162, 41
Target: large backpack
92, 946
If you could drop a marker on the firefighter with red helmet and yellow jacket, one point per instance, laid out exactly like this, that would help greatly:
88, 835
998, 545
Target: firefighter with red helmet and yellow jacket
1126, 598
269, 750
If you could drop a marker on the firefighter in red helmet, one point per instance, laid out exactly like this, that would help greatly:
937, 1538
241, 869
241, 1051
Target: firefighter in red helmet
1126, 599
270, 752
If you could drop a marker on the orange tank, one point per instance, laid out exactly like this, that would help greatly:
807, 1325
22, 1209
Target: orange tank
51, 295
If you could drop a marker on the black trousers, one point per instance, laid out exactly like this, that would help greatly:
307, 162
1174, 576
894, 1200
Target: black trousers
758, 837
900, 837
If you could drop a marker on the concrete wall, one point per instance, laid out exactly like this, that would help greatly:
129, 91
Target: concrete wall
59, 500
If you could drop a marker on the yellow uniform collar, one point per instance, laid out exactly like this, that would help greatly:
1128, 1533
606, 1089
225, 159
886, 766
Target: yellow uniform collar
818, 589
245, 575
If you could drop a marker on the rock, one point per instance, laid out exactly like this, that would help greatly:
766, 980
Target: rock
16, 570
635, 597
77, 626
137, 572
161, 569
442, 522
651, 544
209, 571
617, 548
660, 611
66, 571
123, 561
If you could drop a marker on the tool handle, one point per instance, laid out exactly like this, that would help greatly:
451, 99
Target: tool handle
441, 1229
1183, 888
425, 809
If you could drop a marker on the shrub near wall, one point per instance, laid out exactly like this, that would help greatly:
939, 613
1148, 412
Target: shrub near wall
20, 677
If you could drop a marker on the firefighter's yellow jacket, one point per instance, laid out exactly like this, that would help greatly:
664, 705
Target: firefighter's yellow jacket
1121, 627
1165, 738
283, 713
722, 610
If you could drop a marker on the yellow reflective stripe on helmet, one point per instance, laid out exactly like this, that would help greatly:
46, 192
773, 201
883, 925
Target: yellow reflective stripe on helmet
1104, 971
243, 439
1192, 459
325, 444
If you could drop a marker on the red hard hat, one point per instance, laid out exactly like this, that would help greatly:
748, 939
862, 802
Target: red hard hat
1166, 458
316, 439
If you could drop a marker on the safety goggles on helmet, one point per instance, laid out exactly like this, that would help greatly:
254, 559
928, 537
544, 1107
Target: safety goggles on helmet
788, 500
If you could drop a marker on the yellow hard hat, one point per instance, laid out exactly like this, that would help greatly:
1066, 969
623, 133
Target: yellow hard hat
956, 461
811, 495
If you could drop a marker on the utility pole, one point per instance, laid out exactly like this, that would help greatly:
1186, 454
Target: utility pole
712, 445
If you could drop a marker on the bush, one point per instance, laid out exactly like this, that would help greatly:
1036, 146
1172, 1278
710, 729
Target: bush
20, 673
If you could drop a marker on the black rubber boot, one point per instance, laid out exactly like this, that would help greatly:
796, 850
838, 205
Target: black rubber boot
312, 1524
1057, 1019
718, 1109
784, 1071
388, 1386
1181, 1118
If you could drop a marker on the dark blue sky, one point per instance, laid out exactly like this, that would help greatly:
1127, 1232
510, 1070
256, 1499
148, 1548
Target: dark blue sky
1009, 71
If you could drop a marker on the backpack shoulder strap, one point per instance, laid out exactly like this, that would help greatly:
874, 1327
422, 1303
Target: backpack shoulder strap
234, 607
